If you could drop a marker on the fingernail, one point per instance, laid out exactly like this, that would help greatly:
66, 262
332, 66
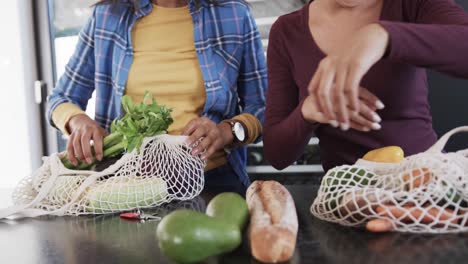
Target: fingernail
366, 129
376, 117
355, 113
89, 160
99, 157
379, 105
344, 126
203, 157
376, 126
195, 152
334, 123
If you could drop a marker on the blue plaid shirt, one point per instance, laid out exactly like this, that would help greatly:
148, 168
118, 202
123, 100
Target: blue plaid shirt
229, 50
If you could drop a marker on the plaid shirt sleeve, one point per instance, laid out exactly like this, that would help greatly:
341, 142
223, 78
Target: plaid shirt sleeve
252, 81
76, 85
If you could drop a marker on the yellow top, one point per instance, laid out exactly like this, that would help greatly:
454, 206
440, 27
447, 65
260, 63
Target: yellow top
166, 64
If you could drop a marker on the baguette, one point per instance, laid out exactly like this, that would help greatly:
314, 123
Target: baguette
273, 222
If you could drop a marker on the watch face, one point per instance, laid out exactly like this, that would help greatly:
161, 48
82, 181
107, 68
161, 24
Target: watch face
239, 132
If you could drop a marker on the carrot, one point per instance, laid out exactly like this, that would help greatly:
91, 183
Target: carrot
462, 212
415, 179
426, 216
379, 225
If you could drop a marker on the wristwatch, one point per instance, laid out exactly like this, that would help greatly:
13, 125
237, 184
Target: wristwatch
238, 131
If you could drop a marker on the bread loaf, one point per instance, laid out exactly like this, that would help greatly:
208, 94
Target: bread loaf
273, 222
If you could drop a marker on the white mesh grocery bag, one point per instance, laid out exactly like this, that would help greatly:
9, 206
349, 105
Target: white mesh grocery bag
424, 193
161, 171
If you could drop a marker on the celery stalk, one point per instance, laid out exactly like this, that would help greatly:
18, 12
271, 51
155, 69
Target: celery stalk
111, 140
145, 119
114, 150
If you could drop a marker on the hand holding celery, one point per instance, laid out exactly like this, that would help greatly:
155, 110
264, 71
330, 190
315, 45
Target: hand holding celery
145, 119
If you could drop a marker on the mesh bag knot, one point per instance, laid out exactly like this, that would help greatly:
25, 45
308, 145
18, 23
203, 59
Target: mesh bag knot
162, 171
424, 193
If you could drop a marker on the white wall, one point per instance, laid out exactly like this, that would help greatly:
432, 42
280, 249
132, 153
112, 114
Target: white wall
19, 134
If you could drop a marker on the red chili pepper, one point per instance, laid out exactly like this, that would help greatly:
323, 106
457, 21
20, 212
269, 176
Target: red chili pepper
131, 215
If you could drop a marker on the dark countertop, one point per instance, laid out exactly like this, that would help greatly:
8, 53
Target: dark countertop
108, 239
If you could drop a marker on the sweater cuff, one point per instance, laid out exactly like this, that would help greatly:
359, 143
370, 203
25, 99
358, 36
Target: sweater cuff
252, 126
392, 28
62, 115
303, 124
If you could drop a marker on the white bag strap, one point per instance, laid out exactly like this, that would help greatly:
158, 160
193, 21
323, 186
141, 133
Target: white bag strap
440, 144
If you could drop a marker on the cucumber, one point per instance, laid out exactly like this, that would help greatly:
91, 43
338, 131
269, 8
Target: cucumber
187, 236
229, 207
121, 194
454, 197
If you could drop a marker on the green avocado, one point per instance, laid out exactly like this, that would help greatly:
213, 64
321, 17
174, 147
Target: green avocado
229, 207
187, 236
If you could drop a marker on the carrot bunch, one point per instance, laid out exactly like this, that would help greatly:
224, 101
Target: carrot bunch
409, 212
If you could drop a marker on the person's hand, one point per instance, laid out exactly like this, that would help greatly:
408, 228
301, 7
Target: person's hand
410, 214
365, 120
83, 130
336, 83
212, 137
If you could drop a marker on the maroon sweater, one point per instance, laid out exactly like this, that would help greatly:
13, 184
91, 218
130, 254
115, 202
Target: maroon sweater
423, 34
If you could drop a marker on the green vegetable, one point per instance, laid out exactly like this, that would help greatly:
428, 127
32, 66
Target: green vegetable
187, 236
352, 177
145, 119
342, 180
229, 207
453, 195
119, 194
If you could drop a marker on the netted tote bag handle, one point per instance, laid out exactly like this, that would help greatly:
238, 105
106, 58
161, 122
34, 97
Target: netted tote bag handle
440, 144
437, 148
162, 171
424, 193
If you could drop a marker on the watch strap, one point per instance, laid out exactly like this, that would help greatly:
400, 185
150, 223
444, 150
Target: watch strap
236, 141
